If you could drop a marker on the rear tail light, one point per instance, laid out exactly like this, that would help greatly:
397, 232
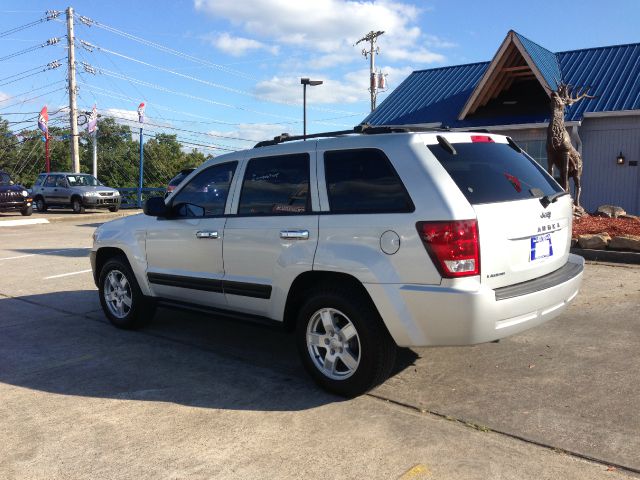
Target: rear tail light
453, 246
170, 188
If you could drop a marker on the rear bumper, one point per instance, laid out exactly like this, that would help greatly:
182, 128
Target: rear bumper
426, 315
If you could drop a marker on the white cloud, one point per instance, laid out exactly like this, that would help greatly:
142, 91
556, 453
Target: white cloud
4, 96
238, 46
330, 27
288, 90
255, 132
434, 41
352, 88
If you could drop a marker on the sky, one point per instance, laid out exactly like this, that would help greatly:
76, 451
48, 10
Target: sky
224, 74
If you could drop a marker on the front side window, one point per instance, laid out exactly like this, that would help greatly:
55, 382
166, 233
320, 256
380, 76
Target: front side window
364, 181
206, 193
51, 181
276, 186
39, 181
5, 179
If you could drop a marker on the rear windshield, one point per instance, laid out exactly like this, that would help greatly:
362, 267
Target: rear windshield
490, 172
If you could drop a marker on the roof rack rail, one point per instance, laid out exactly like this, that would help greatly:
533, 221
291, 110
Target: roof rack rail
364, 129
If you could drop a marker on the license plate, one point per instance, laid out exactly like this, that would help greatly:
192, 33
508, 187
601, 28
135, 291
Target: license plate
541, 247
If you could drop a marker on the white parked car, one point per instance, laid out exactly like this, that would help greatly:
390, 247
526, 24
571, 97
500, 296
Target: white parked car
357, 242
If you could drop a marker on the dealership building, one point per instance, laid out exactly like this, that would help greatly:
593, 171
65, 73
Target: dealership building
510, 95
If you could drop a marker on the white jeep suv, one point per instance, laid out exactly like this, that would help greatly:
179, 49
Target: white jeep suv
359, 242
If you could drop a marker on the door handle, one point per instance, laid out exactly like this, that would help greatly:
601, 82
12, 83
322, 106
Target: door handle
206, 234
294, 234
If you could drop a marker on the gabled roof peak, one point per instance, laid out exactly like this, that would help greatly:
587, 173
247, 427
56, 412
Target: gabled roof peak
517, 58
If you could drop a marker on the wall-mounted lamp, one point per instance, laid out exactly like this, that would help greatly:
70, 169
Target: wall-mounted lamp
620, 159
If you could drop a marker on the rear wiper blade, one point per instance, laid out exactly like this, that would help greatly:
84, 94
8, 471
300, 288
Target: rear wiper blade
549, 199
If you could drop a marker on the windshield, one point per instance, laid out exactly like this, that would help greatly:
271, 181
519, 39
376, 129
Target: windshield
494, 172
83, 181
5, 179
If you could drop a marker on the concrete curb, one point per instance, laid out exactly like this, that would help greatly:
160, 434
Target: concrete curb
608, 256
74, 217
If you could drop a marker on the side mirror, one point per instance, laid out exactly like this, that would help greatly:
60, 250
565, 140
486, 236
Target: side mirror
155, 207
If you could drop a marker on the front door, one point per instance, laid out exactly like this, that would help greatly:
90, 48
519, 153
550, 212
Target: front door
274, 235
184, 252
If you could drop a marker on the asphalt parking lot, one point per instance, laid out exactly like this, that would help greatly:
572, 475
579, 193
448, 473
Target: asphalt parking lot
197, 397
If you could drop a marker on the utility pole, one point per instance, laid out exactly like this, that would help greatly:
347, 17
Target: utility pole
73, 113
371, 37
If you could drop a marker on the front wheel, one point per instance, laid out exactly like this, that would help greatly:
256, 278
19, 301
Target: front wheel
77, 206
122, 301
41, 206
27, 211
343, 343
114, 209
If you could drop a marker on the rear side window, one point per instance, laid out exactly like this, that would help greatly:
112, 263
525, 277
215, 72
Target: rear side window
364, 181
276, 186
488, 172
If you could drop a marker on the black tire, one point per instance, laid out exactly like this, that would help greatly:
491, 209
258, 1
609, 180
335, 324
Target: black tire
114, 209
376, 350
141, 309
76, 205
27, 211
41, 206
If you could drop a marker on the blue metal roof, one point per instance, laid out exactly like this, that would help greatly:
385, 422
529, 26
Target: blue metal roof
546, 61
439, 94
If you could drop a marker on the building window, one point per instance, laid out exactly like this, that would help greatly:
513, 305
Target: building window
536, 148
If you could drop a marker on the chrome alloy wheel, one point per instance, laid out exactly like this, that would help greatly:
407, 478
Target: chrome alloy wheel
333, 343
117, 294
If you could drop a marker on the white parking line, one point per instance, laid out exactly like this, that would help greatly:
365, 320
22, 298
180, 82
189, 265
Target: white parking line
66, 274
45, 252
26, 221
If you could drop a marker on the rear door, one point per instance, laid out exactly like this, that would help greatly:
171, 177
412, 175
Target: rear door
521, 236
274, 235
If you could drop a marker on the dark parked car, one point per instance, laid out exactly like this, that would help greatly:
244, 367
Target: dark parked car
14, 197
175, 181
75, 190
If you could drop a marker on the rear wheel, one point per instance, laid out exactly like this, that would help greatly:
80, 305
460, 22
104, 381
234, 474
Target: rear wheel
41, 206
343, 343
27, 211
120, 296
77, 206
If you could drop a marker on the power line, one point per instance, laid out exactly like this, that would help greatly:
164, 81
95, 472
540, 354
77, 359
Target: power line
33, 98
51, 41
50, 66
90, 47
88, 22
25, 26
187, 95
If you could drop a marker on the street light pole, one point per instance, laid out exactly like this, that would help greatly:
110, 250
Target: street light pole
305, 82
